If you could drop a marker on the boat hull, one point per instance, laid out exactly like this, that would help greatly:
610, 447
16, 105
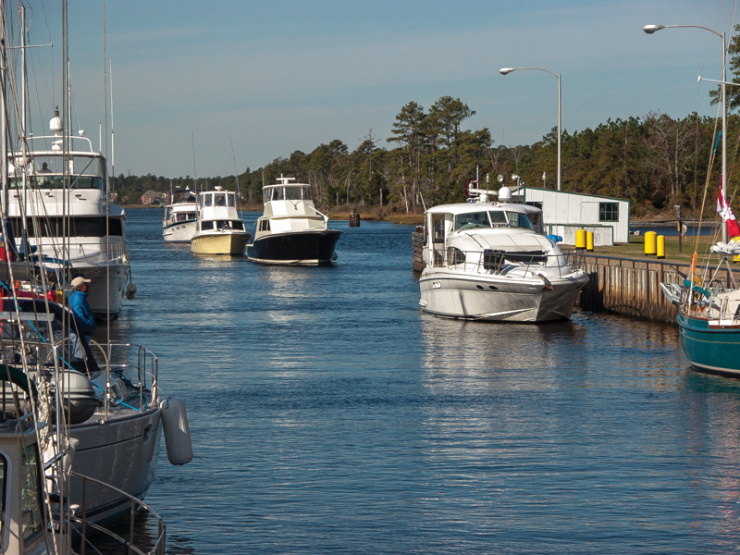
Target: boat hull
710, 349
180, 232
123, 453
219, 243
478, 297
304, 248
106, 288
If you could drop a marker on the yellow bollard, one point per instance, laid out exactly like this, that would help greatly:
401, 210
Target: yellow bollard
661, 246
737, 257
590, 241
580, 239
650, 240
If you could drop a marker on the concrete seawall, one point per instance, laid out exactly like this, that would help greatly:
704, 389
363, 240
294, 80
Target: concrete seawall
626, 286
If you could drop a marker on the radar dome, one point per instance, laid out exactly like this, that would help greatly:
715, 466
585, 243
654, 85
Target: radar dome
55, 125
504, 194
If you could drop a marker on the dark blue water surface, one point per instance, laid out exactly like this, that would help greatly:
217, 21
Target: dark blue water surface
329, 415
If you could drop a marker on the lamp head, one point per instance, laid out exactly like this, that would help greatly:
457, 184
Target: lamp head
506, 70
650, 29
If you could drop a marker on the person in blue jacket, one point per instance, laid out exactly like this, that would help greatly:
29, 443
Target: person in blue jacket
85, 323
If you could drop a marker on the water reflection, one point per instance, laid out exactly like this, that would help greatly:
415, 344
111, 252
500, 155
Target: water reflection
330, 415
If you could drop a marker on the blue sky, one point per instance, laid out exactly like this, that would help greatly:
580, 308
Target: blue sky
281, 75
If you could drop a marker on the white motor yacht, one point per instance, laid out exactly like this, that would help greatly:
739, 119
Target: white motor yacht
179, 223
66, 218
291, 229
219, 229
490, 261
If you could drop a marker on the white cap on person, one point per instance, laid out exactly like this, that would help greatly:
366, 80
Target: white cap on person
79, 280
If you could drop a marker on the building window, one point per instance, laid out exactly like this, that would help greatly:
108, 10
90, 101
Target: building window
608, 211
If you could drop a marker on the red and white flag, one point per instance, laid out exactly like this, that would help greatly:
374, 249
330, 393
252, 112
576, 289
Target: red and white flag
733, 230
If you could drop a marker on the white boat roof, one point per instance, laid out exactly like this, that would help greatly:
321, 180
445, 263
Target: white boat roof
470, 207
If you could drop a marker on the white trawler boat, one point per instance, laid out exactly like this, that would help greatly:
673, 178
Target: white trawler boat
219, 230
65, 213
490, 261
292, 230
180, 217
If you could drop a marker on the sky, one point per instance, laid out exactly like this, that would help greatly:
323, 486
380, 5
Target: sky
275, 76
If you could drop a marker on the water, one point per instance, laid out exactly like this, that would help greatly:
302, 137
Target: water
330, 416
707, 228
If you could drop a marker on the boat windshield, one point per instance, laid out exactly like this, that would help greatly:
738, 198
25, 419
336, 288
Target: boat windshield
297, 193
473, 220
497, 218
519, 220
83, 172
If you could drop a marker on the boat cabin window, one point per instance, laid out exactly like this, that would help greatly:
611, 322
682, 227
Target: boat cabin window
473, 220
83, 172
518, 220
207, 199
220, 199
277, 193
536, 220
31, 521
76, 226
497, 218
207, 225
232, 199
298, 193
264, 225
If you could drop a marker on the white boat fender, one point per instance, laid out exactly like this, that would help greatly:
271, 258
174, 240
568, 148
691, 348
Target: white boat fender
176, 431
130, 291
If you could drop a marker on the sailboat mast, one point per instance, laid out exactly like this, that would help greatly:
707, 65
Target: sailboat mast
3, 111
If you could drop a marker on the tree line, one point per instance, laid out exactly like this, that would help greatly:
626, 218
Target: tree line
654, 160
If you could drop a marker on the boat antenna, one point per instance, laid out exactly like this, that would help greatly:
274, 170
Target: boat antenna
195, 177
236, 174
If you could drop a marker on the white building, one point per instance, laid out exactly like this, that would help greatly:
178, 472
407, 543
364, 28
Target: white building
565, 212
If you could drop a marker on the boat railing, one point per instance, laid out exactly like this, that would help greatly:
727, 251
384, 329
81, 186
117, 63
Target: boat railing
107, 252
499, 262
82, 524
133, 359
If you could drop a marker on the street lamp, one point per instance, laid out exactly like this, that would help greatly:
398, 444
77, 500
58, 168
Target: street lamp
650, 29
507, 70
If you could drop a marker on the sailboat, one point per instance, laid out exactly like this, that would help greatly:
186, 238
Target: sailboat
57, 221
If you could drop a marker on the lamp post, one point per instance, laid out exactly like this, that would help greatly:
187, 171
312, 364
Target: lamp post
650, 29
507, 70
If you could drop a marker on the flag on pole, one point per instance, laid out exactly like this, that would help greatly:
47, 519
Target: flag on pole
733, 230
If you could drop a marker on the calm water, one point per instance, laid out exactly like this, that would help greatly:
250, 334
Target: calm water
330, 416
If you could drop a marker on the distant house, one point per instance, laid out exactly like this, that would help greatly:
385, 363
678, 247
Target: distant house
153, 197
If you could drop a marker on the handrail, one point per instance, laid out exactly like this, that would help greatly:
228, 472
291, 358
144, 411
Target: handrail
475, 261
159, 545
326, 218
